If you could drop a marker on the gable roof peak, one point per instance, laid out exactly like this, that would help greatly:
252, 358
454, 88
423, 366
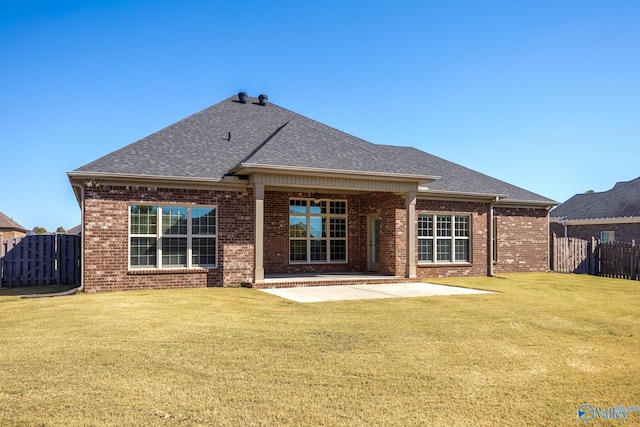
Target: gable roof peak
7, 222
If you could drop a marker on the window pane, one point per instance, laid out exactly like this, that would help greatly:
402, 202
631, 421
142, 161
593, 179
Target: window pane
313, 227
338, 228
298, 226
443, 225
318, 227
143, 251
203, 221
425, 250
174, 220
462, 250
338, 208
607, 236
318, 250
143, 219
298, 206
425, 226
462, 226
298, 250
203, 251
338, 250
174, 251
318, 208
443, 249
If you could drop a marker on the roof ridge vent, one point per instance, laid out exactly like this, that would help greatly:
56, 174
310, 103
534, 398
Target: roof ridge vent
262, 99
242, 97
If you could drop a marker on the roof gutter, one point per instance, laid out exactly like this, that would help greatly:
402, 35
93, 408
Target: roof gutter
597, 221
425, 193
83, 178
527, 203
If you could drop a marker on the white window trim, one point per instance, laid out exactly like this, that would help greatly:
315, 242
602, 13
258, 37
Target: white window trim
434, 238
612, 236
159, 235
328, 239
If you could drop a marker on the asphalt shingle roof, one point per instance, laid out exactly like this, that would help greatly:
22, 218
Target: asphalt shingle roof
8, 223
622, 201
211, 143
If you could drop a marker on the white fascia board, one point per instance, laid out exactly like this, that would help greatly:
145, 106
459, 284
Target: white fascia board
424, 193
598, 221
156, 181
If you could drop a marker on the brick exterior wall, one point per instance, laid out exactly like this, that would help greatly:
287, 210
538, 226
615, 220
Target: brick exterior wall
624, 232
523, 243
276, 236
522, 237
391, 210
479, 213
106, 219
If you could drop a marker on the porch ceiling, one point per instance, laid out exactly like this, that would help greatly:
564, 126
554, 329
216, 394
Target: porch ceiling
335, 182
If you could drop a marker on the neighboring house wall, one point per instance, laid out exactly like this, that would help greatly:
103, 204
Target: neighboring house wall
556, 228
10, 234
624, 232
106, 220
522, 243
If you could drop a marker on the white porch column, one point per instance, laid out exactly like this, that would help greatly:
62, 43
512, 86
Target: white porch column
258, 247
411, 235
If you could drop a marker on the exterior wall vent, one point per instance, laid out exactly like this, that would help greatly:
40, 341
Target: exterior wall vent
262, 99
242, 97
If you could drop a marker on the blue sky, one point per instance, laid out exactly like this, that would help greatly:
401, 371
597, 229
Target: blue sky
541, 94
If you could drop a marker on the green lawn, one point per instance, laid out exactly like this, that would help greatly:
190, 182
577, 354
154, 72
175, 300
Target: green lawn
530, 354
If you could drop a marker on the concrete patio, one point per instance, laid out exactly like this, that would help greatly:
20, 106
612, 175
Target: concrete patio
368, 291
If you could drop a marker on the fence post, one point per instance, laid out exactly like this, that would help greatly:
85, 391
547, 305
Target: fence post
592, 256
553, 252
633, 253
1, 259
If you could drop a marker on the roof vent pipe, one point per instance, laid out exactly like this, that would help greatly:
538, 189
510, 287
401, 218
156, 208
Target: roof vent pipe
262, 99
242, 97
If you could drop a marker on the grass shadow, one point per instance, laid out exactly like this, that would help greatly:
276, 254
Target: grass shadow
34, 290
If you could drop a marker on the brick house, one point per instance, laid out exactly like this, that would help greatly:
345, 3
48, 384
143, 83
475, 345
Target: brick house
247, 190
10, 229
608, 215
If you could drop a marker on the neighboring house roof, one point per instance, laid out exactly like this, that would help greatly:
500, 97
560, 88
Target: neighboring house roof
232, 137
75, 230
620, 203
7, 223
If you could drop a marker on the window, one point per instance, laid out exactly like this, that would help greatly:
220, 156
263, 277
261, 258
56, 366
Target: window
172, 236
317, 231
607, 236
444, 238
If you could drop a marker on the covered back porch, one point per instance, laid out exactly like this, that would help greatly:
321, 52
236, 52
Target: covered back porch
310, 230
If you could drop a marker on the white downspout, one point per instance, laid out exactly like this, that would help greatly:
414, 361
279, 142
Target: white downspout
491, 242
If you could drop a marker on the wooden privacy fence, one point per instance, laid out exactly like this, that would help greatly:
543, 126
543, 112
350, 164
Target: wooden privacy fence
40, 260
574, 255
610, 259
620, 259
